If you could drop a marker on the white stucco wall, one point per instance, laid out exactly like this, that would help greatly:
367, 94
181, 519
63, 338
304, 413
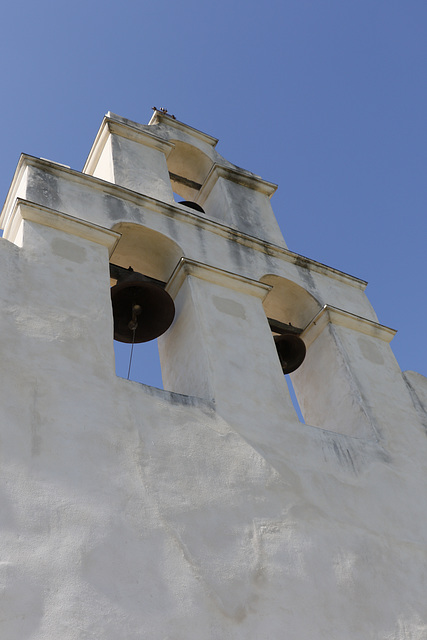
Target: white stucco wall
130, 512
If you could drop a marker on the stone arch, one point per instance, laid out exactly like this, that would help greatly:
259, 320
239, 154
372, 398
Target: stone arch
188, 168
324, 385
155, 255
288, 302
145, 250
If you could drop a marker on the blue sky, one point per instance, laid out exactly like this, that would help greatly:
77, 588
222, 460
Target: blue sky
327, 98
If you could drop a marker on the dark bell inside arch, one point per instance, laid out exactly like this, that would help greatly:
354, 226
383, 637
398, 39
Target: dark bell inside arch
142, 309
192, 205
291, 351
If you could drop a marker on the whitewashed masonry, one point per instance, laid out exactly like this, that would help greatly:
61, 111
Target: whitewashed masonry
205, 510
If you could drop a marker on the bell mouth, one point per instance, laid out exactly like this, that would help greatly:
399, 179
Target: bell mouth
291, 351
192, 205
155, 310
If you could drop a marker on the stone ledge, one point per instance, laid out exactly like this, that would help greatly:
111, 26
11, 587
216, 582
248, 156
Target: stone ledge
242, 177
333, 315
25, 210
159, 117
109, 126
171, 210
186, 267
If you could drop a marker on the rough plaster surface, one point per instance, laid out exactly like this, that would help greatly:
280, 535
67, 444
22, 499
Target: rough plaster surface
130, 512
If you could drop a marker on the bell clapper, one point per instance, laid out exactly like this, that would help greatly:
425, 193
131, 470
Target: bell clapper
133, 325
144, 299
131, 349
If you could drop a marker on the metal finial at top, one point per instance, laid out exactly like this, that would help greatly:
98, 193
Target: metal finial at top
165, 111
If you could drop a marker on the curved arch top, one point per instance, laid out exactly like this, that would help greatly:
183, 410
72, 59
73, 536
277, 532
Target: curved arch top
146, 251
288, 302
188, 168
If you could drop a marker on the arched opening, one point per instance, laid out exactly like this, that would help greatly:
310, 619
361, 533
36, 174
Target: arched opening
154, 255
288, 304
326, 389
188, 168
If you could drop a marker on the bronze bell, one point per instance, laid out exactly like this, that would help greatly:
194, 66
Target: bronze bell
142, 309
291, 351
192, 205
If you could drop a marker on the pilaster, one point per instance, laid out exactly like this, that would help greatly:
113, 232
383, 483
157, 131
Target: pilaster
220, 346
64, 287
131, 158
241, 200
350, 381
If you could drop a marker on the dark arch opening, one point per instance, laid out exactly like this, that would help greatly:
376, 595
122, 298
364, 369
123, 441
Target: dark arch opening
154, 255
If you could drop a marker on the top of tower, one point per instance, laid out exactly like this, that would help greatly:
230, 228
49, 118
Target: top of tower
162, 117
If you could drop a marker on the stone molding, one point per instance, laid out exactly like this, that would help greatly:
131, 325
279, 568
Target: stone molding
187, 267
163, 118
171, 210
332, 315
241, 177
110, 126
31, 212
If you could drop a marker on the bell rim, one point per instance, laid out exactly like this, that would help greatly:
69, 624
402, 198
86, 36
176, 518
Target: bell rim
297, 340
165, 312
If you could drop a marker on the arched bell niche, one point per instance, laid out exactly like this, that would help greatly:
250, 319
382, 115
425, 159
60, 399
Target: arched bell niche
290, 304
188, 168
145, 250
156, 256
325, 387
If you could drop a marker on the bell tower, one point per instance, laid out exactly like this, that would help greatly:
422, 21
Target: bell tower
205, 509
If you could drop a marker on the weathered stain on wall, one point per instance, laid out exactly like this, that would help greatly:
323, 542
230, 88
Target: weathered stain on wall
205, 510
